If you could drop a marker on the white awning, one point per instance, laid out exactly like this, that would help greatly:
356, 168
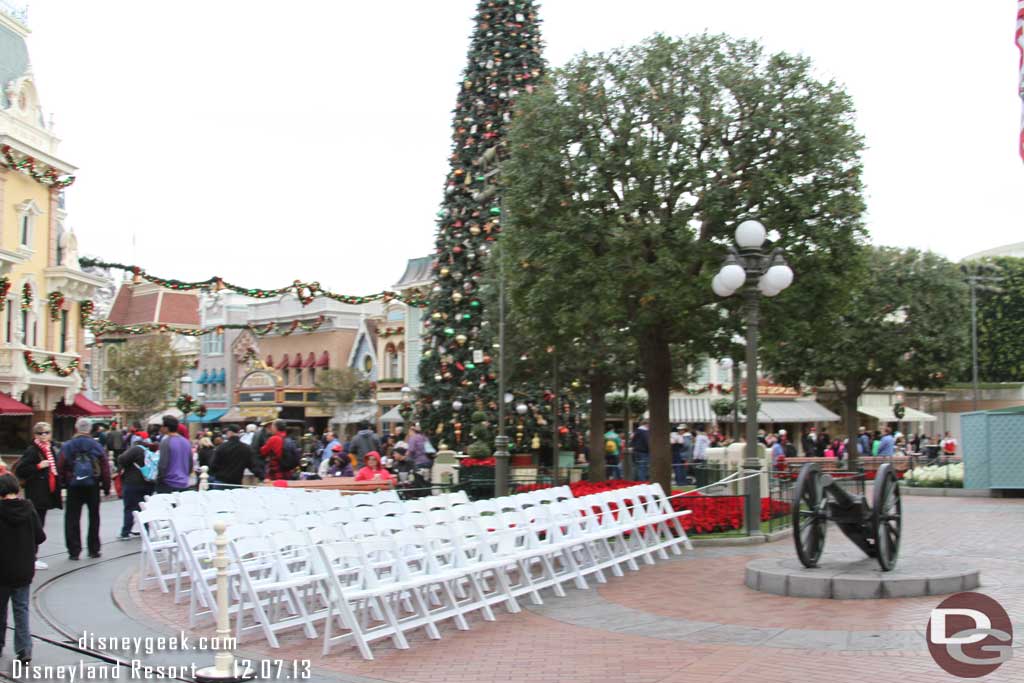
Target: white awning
157, 418
355, 413
884, 414
392, 416
783, 412
690, 411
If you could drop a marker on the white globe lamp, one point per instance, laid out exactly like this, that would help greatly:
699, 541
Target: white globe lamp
719, 288
765, 288
732, 276
750, 235
779, 277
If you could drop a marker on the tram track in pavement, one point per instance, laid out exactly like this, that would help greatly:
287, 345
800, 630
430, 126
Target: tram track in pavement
70, 642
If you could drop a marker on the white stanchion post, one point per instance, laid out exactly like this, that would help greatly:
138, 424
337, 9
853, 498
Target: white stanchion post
224, 668
204, 478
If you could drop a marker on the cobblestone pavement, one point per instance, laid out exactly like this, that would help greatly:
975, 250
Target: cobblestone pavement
692, 620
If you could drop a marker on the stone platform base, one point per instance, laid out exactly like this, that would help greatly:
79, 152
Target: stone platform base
852, 577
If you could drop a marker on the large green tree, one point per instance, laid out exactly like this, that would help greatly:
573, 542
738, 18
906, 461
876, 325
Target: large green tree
1000, 321
504, 61
145, 375
633, 167
891, 327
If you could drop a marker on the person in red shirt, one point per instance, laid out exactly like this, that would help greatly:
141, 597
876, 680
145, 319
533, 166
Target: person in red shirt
372, 470
273, 449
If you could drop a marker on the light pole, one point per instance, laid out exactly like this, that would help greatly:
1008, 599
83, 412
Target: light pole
899, 409
977, 274
753, 269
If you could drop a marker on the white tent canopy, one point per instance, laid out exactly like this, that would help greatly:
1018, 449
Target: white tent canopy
884, 414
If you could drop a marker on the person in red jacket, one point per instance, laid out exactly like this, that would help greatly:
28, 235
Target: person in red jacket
372, 470
273, 449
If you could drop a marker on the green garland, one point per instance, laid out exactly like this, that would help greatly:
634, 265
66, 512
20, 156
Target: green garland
305, 291
50, 364
27, 165
55, 301
26, 297
85, 310
5, 289
107, 327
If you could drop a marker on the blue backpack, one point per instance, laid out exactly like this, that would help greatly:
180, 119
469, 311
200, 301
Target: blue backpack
85, 470
151, 465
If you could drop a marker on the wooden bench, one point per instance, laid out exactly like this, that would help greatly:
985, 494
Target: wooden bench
871, 463
343, 484
826, 464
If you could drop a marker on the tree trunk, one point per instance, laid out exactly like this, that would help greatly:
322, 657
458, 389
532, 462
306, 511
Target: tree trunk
657, 361
851, 395
599, 384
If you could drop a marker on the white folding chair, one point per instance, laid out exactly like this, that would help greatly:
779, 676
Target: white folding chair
158, 545
264, 592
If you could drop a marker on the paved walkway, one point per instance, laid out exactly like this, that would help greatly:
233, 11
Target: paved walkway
688, 620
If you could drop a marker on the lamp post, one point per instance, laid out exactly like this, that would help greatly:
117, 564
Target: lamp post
898, 408
752, 269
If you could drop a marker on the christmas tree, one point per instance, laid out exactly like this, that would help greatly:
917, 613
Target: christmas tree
458, 369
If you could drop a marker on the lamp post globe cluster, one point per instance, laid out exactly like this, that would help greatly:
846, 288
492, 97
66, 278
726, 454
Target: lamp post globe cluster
753, 269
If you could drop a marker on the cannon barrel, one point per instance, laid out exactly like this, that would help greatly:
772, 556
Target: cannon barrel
843, 498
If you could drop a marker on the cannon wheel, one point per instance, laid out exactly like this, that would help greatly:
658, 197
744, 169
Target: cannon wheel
810, 515
887, 517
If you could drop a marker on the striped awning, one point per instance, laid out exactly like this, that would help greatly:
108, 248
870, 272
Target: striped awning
784, 412
690, 410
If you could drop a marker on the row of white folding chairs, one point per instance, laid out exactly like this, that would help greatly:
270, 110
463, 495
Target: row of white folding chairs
575, 540
160, 537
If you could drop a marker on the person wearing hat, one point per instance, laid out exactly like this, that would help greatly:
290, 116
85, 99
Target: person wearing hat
339, 464
682, 451
230, 460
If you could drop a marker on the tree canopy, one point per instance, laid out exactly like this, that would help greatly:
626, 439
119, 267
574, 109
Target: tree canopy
145, 375
629, 170
892, 326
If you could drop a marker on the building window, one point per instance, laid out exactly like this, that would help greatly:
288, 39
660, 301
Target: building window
10, 320
396, 315
27, 213
213, 344
312, 377
24, 327
298, 378
108, 373
393, 366
367, 364
63, 331
284, 377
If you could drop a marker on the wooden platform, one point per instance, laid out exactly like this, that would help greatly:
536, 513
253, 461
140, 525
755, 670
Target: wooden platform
343, 484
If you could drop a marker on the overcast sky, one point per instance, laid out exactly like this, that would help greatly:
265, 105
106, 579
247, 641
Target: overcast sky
265, 142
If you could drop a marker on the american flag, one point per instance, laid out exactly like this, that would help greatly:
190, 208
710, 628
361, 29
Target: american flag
1020, 46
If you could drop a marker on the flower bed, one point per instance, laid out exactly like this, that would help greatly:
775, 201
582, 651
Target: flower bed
710, 514
937, 476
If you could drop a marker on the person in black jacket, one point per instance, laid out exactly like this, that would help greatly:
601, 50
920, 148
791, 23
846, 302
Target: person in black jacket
134, 487
21, 534
37, 469
230, 460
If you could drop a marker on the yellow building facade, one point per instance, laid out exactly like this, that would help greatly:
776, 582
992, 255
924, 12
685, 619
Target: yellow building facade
42, 286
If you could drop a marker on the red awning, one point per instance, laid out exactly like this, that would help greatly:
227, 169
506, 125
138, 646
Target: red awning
83, 407
325, 360
9, 407
283, 363
310, 360
297, 361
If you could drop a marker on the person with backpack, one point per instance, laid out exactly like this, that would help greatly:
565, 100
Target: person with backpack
83, 469
175, 465
273, 451
138, 473
21, 534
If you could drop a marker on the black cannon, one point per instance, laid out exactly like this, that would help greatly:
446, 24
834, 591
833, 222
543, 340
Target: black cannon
875, 529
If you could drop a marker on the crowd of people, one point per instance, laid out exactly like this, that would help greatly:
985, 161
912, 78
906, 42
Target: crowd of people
690, 447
